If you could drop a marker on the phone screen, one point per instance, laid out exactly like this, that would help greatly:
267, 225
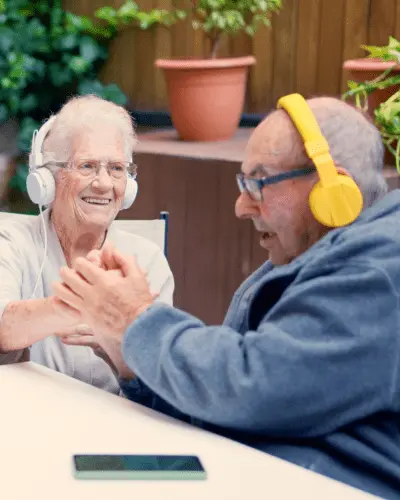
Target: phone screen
138, 466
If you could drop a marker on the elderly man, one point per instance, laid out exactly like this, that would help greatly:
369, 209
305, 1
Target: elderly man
306, 363
81, 167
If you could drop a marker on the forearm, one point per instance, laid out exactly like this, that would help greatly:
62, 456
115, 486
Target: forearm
113, 350
25, 322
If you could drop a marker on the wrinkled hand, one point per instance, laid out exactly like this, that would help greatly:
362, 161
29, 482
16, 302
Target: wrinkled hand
82, 335
104, 258
110, 352
108, 300
70, 316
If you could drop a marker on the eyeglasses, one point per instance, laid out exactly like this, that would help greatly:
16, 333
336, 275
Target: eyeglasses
91, 168
253, 187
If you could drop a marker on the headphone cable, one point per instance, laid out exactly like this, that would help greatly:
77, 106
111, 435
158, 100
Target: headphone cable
44, 254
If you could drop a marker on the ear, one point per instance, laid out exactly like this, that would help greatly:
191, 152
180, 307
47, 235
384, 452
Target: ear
343, 171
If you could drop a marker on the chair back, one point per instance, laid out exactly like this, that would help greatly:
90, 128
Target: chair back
155, 230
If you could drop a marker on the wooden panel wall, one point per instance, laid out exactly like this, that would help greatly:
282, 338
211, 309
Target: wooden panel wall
303, 51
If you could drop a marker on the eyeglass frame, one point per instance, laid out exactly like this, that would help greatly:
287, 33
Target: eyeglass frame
256, 194
67, 165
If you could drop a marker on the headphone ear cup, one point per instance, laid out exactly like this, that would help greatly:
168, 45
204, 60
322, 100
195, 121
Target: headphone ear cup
337, 205
131, 191
41, 186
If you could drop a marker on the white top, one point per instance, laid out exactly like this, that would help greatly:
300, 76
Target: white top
47, 417
21, 257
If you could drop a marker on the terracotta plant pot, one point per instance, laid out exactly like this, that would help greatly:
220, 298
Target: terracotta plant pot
364, 69
206, 96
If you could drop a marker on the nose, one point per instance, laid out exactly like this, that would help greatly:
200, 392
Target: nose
102, 181
245, 207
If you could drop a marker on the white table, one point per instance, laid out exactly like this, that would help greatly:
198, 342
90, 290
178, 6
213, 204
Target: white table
47, 417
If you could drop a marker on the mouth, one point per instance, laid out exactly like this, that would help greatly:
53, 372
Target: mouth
266, 237
96, 201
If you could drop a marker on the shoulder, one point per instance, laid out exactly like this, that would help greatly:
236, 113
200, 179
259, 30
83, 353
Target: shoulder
19, 244
18, 229
368, 244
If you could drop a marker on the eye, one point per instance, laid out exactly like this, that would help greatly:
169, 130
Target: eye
252, 185
117, 167
87, 165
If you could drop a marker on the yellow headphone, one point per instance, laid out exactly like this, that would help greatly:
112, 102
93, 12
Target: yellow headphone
335, 200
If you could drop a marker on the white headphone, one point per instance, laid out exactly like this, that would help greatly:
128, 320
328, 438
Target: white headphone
40, 182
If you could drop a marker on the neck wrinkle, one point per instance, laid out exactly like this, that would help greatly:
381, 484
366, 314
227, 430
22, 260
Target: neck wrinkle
77, 243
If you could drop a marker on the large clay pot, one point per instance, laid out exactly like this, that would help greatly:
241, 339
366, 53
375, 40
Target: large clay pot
365, 69
206, 96
361, 70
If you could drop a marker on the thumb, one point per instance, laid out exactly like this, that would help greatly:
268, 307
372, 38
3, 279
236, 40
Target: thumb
94, 257
107, 256
127, 265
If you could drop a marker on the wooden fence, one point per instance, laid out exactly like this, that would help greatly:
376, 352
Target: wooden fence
303, 51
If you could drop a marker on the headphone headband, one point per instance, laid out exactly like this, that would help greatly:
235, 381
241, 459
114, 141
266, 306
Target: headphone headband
36, 155
315, 144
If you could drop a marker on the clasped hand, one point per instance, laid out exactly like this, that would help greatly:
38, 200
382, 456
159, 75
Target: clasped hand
109, 291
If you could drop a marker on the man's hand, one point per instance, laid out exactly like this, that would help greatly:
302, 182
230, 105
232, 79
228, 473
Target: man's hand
108, 300
104, 258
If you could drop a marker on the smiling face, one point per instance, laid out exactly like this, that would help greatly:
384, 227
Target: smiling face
283, 217
87, 201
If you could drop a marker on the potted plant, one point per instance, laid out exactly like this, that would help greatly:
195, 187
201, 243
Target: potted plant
381, 67
375, 88
206, 96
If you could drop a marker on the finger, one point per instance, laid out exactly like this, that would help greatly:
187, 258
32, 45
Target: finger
107, 257
94, 257
75, 282
87, 270
80, 329
66, 334
127, 264
66, 331
67, 296
83, 329
82, 340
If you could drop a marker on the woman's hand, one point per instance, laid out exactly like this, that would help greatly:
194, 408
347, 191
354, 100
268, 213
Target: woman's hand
109, 351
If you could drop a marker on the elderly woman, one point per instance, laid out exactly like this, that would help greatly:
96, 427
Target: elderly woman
88, 152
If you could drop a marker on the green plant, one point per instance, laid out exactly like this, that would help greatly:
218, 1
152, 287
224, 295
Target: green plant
48, 54
387, 114
216, 18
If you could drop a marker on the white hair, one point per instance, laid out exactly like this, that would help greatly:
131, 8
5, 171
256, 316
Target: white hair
355, 144
81, 113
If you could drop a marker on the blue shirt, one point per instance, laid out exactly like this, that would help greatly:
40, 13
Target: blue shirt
306, 363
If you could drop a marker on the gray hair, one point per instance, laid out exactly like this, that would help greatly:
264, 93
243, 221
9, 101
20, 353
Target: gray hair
80, 113
355, 144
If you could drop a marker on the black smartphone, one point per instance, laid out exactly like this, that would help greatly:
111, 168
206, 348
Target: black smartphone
175, 467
